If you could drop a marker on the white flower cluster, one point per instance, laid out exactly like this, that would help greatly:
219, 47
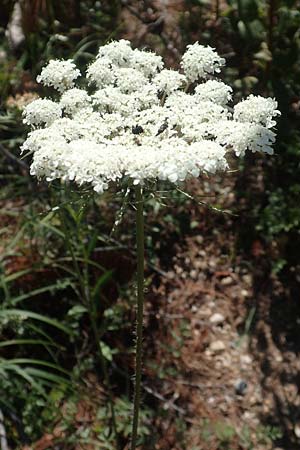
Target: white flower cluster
42, 112
168, 81
199, 62
74, 99
116, 55
214, 91
257, 110
140, 121
59, 74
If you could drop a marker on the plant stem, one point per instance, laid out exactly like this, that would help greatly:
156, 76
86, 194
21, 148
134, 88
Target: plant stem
140, 307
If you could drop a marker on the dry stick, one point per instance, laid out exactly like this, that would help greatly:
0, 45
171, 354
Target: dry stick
140, 307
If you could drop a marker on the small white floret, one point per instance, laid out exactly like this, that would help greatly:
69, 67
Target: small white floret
41, 112
119, 53
101, 72
168, 81
146, 62
59, 74
74, 99
214, 91
199, 61
257, 109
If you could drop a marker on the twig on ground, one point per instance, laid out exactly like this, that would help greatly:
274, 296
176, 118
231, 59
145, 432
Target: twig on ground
168, 404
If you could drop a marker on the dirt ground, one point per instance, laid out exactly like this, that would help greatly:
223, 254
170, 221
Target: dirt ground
225, 327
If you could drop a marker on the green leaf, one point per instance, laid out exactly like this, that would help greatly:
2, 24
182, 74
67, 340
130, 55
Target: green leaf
27, 342
51, 287
14, 276
24, 315
23, 374
107, 351
101, 282
92, 243
77, 310
47, 375
39, 362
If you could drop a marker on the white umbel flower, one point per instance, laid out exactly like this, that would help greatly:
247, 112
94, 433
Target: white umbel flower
101, 72
200, 61
135, 122
59, 74
111, 99
146, 62
129, 80
244, 136
168, 81
119, 53
41, 112
257, 110
214, 91
74, 99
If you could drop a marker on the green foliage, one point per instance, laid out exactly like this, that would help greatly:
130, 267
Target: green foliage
281, 214
34, 359
226, 435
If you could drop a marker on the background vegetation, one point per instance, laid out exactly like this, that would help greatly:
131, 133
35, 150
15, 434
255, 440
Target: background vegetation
68, 259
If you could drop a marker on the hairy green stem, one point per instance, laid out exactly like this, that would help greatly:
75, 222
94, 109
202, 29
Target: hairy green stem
140, 307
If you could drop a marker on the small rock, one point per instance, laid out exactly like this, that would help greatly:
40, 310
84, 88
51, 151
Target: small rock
194, 274
225, 360
199, 239
248, 416
200, 264
217, 319
223, 407
240, 387
217, 346
253, 400
212, 264
205, 312
228, 399
245, 293
226, 281
248, 279
246, 359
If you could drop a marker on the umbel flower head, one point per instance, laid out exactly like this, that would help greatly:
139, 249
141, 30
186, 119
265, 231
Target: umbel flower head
135, 121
